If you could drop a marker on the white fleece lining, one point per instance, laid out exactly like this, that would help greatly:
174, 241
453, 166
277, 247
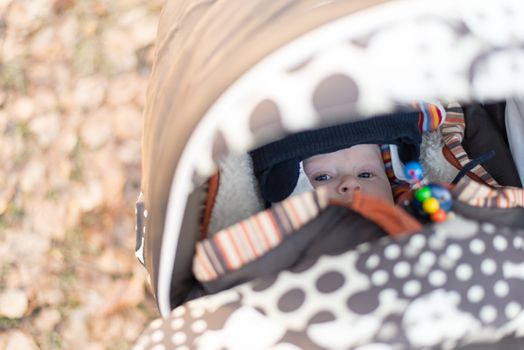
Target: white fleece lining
238, 197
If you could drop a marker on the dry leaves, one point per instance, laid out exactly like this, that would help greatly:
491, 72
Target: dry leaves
16, 340
73, 80
47, 319
126, 294
13, 303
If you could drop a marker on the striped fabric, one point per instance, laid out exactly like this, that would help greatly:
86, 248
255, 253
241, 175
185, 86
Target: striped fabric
469, 191
453, 133
431, 116
398, 187
479, 195
237, 245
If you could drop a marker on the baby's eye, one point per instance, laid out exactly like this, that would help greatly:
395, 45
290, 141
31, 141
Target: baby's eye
365, 175
322, 177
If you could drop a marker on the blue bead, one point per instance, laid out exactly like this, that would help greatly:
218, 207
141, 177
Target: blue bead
442, 194
413, 171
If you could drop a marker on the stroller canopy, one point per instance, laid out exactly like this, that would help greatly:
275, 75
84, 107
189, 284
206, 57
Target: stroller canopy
233, 75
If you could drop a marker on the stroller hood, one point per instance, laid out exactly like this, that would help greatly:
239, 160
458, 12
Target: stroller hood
232, 75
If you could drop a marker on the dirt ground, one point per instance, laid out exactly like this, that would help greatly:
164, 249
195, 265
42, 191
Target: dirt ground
73, 76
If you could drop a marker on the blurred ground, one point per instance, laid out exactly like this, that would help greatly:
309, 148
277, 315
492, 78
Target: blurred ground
73, 75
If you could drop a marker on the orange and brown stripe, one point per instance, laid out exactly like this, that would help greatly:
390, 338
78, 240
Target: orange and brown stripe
249, 239
480, 195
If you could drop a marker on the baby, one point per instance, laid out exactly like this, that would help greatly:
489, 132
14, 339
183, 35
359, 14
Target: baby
344, 158
357, 168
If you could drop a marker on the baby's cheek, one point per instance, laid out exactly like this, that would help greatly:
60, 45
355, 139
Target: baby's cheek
380, 188
332, 190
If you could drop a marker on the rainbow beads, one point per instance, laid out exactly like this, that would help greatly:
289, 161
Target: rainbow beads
430, 201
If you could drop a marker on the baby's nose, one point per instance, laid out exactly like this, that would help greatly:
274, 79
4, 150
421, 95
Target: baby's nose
347, 185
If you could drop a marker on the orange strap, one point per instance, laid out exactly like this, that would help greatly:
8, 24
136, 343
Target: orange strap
450, 157
212, 191
392, 219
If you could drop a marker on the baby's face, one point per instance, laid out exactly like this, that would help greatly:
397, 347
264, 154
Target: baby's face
356, 168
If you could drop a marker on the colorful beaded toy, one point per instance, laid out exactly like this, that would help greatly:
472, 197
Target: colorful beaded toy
431, 201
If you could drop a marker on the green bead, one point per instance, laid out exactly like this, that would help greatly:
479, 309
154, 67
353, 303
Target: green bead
422, 194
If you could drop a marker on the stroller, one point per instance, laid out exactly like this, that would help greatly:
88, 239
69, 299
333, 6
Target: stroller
229, 273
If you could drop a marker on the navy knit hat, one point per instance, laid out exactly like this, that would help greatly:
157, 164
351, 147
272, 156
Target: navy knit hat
276, 165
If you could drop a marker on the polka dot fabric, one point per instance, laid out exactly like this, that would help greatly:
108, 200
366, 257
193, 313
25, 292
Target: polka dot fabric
455, 283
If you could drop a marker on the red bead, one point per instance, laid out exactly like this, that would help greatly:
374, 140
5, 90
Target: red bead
439, 216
